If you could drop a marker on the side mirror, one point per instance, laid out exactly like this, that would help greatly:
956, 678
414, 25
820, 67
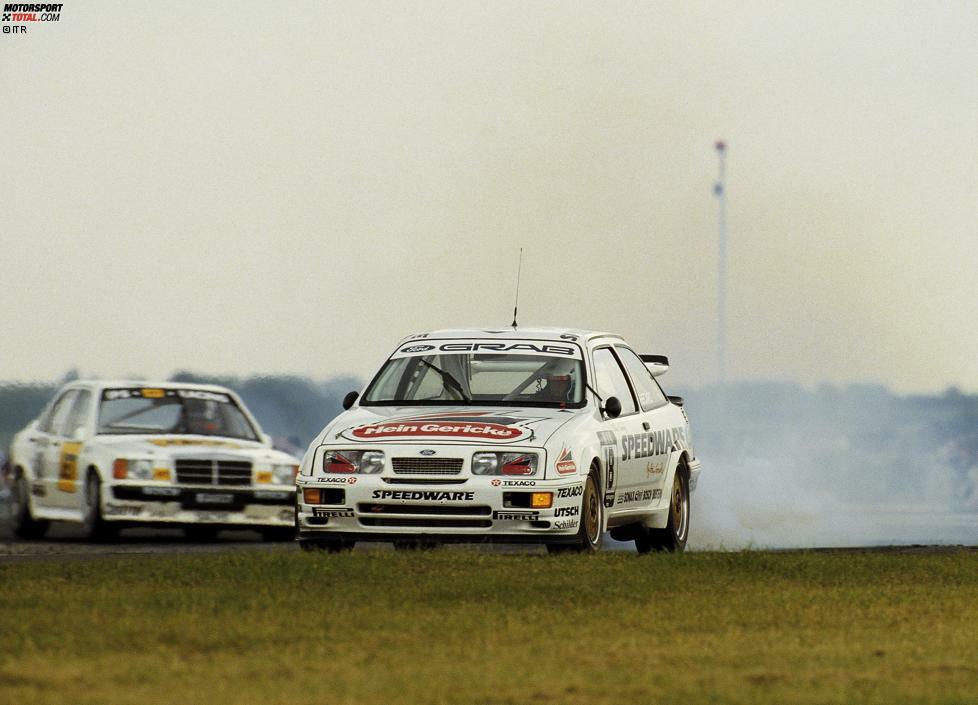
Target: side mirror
612, 407
678, 401
349, 400
266, 440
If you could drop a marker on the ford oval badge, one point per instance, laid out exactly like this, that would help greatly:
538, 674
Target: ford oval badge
427, 451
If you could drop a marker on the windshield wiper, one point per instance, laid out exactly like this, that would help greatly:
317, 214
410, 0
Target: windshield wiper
447, 377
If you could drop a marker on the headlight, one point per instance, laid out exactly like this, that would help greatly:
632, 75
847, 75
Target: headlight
140, 469
366, 462
485, 464
504, 464
284, 474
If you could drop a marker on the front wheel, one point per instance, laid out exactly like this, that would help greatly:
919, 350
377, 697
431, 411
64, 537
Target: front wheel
95, 526
673, 537
24, 524
590, 534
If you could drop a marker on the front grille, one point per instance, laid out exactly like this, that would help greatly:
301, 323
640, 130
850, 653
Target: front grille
431, 523
427, 466
204, 471
478, 510
423, 481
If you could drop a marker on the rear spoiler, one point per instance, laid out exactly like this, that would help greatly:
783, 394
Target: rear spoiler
657, 364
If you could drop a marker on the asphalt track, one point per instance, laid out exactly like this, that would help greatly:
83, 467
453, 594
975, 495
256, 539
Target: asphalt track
65, 543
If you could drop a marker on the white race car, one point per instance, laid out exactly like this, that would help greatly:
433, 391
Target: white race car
537, 435
114, 454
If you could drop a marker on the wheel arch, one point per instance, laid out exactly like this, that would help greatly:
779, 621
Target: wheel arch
678, 462
682, 464
598, 464
94, 469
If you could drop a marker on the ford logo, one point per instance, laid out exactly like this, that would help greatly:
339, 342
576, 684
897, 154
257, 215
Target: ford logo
417, 348
427, 452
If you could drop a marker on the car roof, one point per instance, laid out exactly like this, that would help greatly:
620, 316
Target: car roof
577, 335
154, 384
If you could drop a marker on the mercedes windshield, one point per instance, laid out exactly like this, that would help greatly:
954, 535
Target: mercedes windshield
144, 410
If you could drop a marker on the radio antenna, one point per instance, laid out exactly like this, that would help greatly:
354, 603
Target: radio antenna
519, 270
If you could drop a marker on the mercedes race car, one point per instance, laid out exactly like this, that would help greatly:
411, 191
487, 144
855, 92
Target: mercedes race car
537, 435
110, 455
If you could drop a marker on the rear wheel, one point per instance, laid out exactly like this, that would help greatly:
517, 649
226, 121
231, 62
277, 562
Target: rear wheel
22, 520
673, 537
95, 526
590, 533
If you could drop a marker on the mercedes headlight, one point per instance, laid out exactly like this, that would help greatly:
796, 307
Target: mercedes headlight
140, 469
284, 474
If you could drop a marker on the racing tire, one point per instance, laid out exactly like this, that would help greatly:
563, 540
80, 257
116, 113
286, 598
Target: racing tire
327, 545
673, 537
201, 534
278, 533
22, 520
93, 523
589, 534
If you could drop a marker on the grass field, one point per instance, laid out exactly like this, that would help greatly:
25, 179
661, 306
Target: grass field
463, 626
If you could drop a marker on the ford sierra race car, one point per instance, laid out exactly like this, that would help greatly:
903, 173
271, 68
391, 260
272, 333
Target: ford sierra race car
110, 455
540, 435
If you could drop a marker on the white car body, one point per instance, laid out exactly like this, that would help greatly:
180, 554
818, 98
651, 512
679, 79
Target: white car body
427, 491
148, 476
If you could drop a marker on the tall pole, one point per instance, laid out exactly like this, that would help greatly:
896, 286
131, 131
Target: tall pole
719, 190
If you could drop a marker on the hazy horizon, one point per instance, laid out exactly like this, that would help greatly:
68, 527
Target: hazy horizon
243, 191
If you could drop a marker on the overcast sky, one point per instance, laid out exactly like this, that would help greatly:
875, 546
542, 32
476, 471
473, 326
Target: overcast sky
292, 187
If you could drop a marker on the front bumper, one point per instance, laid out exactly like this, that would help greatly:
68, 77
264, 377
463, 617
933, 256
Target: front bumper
153, 504
372, 507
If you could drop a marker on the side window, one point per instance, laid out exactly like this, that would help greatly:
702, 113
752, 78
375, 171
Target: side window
79, 412
44, 420
649, 394
611, 380
55, 422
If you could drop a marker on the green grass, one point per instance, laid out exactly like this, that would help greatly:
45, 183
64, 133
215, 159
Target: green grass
470, 627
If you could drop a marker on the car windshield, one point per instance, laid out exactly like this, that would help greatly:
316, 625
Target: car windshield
142, 410
512, 373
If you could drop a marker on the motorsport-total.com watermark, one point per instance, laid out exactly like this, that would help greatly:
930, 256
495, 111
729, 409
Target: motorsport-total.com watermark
16, 15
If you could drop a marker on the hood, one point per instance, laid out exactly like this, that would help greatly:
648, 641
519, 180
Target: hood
191, 447
461, 424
